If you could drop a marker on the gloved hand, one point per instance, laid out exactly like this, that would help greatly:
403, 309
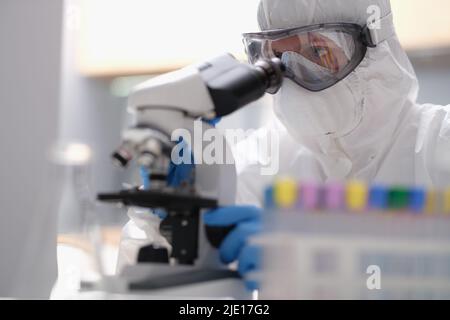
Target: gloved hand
182, 173
235, 247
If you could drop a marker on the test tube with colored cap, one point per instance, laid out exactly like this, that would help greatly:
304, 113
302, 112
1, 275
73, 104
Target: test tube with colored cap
417, 200
356, 196
269, 201
285, 193
399, 199
335, 197
431, 204
378, 198
310, 196
446, 196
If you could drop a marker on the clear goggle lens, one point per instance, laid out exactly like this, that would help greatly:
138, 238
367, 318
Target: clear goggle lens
314, 59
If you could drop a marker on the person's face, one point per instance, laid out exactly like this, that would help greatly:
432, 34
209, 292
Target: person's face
315, 47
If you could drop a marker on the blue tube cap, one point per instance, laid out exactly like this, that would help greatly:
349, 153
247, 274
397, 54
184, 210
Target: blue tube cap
418, 200
379, 198
269, 201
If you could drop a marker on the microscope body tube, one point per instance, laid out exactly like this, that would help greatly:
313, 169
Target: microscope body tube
233, 85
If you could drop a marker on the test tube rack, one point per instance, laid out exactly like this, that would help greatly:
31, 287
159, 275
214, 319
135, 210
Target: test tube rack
354, 241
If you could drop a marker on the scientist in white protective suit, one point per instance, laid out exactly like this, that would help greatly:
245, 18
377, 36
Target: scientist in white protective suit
347, 109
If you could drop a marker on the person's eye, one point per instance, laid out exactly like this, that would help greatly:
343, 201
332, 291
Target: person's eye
319, 52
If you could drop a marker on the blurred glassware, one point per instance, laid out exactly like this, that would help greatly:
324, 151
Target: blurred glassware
88, 237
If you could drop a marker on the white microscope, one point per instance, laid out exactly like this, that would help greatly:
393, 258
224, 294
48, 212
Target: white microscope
160, 106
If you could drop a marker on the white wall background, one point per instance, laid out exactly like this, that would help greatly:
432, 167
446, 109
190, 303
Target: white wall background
30, 46
91, 115
434, 76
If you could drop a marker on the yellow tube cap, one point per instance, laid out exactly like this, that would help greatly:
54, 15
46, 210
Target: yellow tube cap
447, 202
357, 196
286, 193
431, 205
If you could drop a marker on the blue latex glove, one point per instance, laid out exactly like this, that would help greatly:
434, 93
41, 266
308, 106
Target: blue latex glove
182, 173
179, 174
235, 247
212, 122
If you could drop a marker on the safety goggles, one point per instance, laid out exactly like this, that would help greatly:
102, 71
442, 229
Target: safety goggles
316, 57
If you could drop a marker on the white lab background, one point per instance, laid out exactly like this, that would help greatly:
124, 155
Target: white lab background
30, 74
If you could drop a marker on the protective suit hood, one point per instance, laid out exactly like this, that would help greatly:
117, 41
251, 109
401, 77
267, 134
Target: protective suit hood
280, 14
350, 126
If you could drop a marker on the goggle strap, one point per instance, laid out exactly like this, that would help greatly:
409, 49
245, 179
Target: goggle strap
381, 30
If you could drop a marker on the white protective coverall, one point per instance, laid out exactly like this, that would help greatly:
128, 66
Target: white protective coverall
368, 127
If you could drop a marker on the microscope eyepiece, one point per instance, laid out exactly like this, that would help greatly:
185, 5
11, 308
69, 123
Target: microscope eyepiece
273, 70
233, 84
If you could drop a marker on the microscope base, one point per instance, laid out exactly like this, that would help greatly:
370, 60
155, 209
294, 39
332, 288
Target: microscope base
177, 282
